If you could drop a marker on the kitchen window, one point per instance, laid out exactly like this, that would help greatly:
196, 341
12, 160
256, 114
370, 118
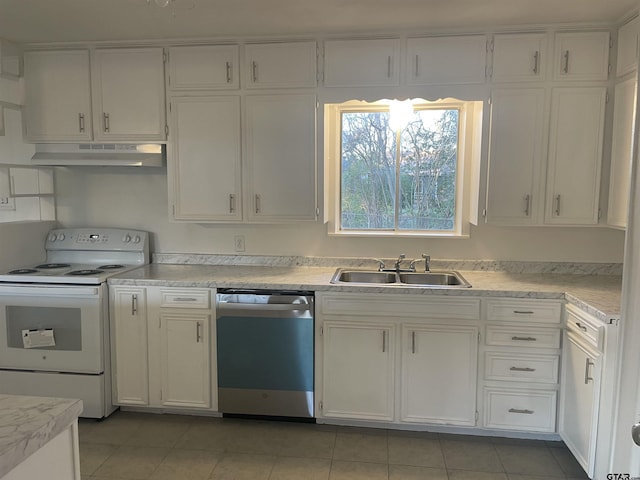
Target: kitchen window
401, 168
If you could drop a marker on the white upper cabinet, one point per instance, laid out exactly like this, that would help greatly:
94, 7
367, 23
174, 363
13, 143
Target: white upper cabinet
361, 63
581, 56
519, 57
280, 65
447, 59
515, 156
627, 60
575, 155
203, 162
204, 67
128, 94
280, 157
621, 152
57, 96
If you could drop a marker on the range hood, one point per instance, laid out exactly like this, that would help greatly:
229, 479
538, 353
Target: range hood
98, 154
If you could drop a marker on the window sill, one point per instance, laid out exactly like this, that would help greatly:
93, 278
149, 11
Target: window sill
361, 234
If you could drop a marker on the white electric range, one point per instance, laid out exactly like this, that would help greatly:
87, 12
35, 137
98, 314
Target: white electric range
54, 316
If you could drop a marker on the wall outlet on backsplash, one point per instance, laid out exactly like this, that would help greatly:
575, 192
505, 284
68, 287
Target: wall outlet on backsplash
238, 243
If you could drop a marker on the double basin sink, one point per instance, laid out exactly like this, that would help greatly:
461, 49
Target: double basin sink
432, 279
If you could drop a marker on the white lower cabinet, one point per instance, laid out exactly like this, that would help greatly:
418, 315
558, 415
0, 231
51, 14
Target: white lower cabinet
164, 347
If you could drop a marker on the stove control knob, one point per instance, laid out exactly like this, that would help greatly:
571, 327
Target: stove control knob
53, 237
126, 238
61, 237
136, 239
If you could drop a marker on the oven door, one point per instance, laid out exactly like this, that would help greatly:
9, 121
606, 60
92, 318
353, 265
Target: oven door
54, 328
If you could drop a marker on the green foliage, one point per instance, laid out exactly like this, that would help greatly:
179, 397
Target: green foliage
427, 167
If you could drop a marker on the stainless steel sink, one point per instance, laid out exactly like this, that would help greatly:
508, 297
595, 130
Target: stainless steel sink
433, 279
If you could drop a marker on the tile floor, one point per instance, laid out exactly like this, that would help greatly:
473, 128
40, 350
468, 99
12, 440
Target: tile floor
172, 447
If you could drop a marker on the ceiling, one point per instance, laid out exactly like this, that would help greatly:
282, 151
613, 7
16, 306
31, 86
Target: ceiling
34, 21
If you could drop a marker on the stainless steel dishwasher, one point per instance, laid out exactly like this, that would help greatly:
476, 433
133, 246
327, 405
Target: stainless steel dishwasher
265, 352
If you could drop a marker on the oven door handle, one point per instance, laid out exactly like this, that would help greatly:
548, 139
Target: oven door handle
49, 291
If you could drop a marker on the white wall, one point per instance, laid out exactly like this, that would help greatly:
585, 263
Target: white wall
137, 198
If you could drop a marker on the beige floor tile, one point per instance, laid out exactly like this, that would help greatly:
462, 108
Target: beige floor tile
568, 463
305, 442
186, 464
259, 438
161, 432
404, 472
92, 455
114, 430
529, 460
424, 452
240, 466
471, 455
212, 436
341, 470
294, 468
132, 462
356, 447
470, 475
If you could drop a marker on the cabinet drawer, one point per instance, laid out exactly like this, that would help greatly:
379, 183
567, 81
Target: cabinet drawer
510, 310
528, 410
521, 368
533, 337
191, 298
585, 326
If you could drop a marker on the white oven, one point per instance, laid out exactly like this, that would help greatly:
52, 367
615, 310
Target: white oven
52, 328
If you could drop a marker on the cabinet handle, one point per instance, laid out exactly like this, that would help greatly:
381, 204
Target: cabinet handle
536, 62
522, 369
518, 410
566, 62
587, 367
81, 122
198, 336
389, 66
257, 203
581, 327
105, 122
527, 205
384, 341
254, 71
558, 205
228, 72
525, 339
185, 299
12, 184
134, 304
413, 342
524, 312
232, 203
417, 69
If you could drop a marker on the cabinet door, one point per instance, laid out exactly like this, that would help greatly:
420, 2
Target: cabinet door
627, 60
515, 156
439, 371
57, 96
185, 360
575, 155
361, 63
519, 57
130, 344
280, 174
581, 56
621, 152
204, 67
204, 158
442, 60
358, 366
128, 94
579, 403
280, 65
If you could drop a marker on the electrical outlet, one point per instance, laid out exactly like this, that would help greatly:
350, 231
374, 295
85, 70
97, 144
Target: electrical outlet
7, 203
238, 242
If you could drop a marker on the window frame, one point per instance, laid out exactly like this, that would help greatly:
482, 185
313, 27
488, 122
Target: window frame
467, 168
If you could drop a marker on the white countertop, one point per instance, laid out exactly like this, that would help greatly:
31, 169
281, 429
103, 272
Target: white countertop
28, 423
596, 294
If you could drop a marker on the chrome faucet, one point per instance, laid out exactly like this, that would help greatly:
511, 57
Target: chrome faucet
399, 261
427, 262
380, 264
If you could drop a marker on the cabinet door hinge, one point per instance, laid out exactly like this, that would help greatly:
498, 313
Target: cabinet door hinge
320, 405
477, 417
166, 130
484, 212
478, 338
321, 331
317, 212
606, 97
599, 213
170, 107
160, 394
165, 57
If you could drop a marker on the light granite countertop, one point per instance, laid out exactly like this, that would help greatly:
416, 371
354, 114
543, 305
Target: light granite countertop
28, 423
596, 294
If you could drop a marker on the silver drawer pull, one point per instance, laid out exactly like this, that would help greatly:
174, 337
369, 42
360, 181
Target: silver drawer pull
522, 369
198, 335
525, 339
185, 299
518, 410
134, 304
587, 367
524, 312
581, 327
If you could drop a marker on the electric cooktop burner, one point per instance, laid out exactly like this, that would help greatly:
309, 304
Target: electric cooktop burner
85, 272
47, 266
22, 271
110, 267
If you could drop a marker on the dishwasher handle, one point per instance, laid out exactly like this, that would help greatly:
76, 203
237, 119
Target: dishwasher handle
271, 307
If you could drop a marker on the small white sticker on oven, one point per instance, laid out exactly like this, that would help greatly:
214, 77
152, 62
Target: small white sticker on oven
38, 338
